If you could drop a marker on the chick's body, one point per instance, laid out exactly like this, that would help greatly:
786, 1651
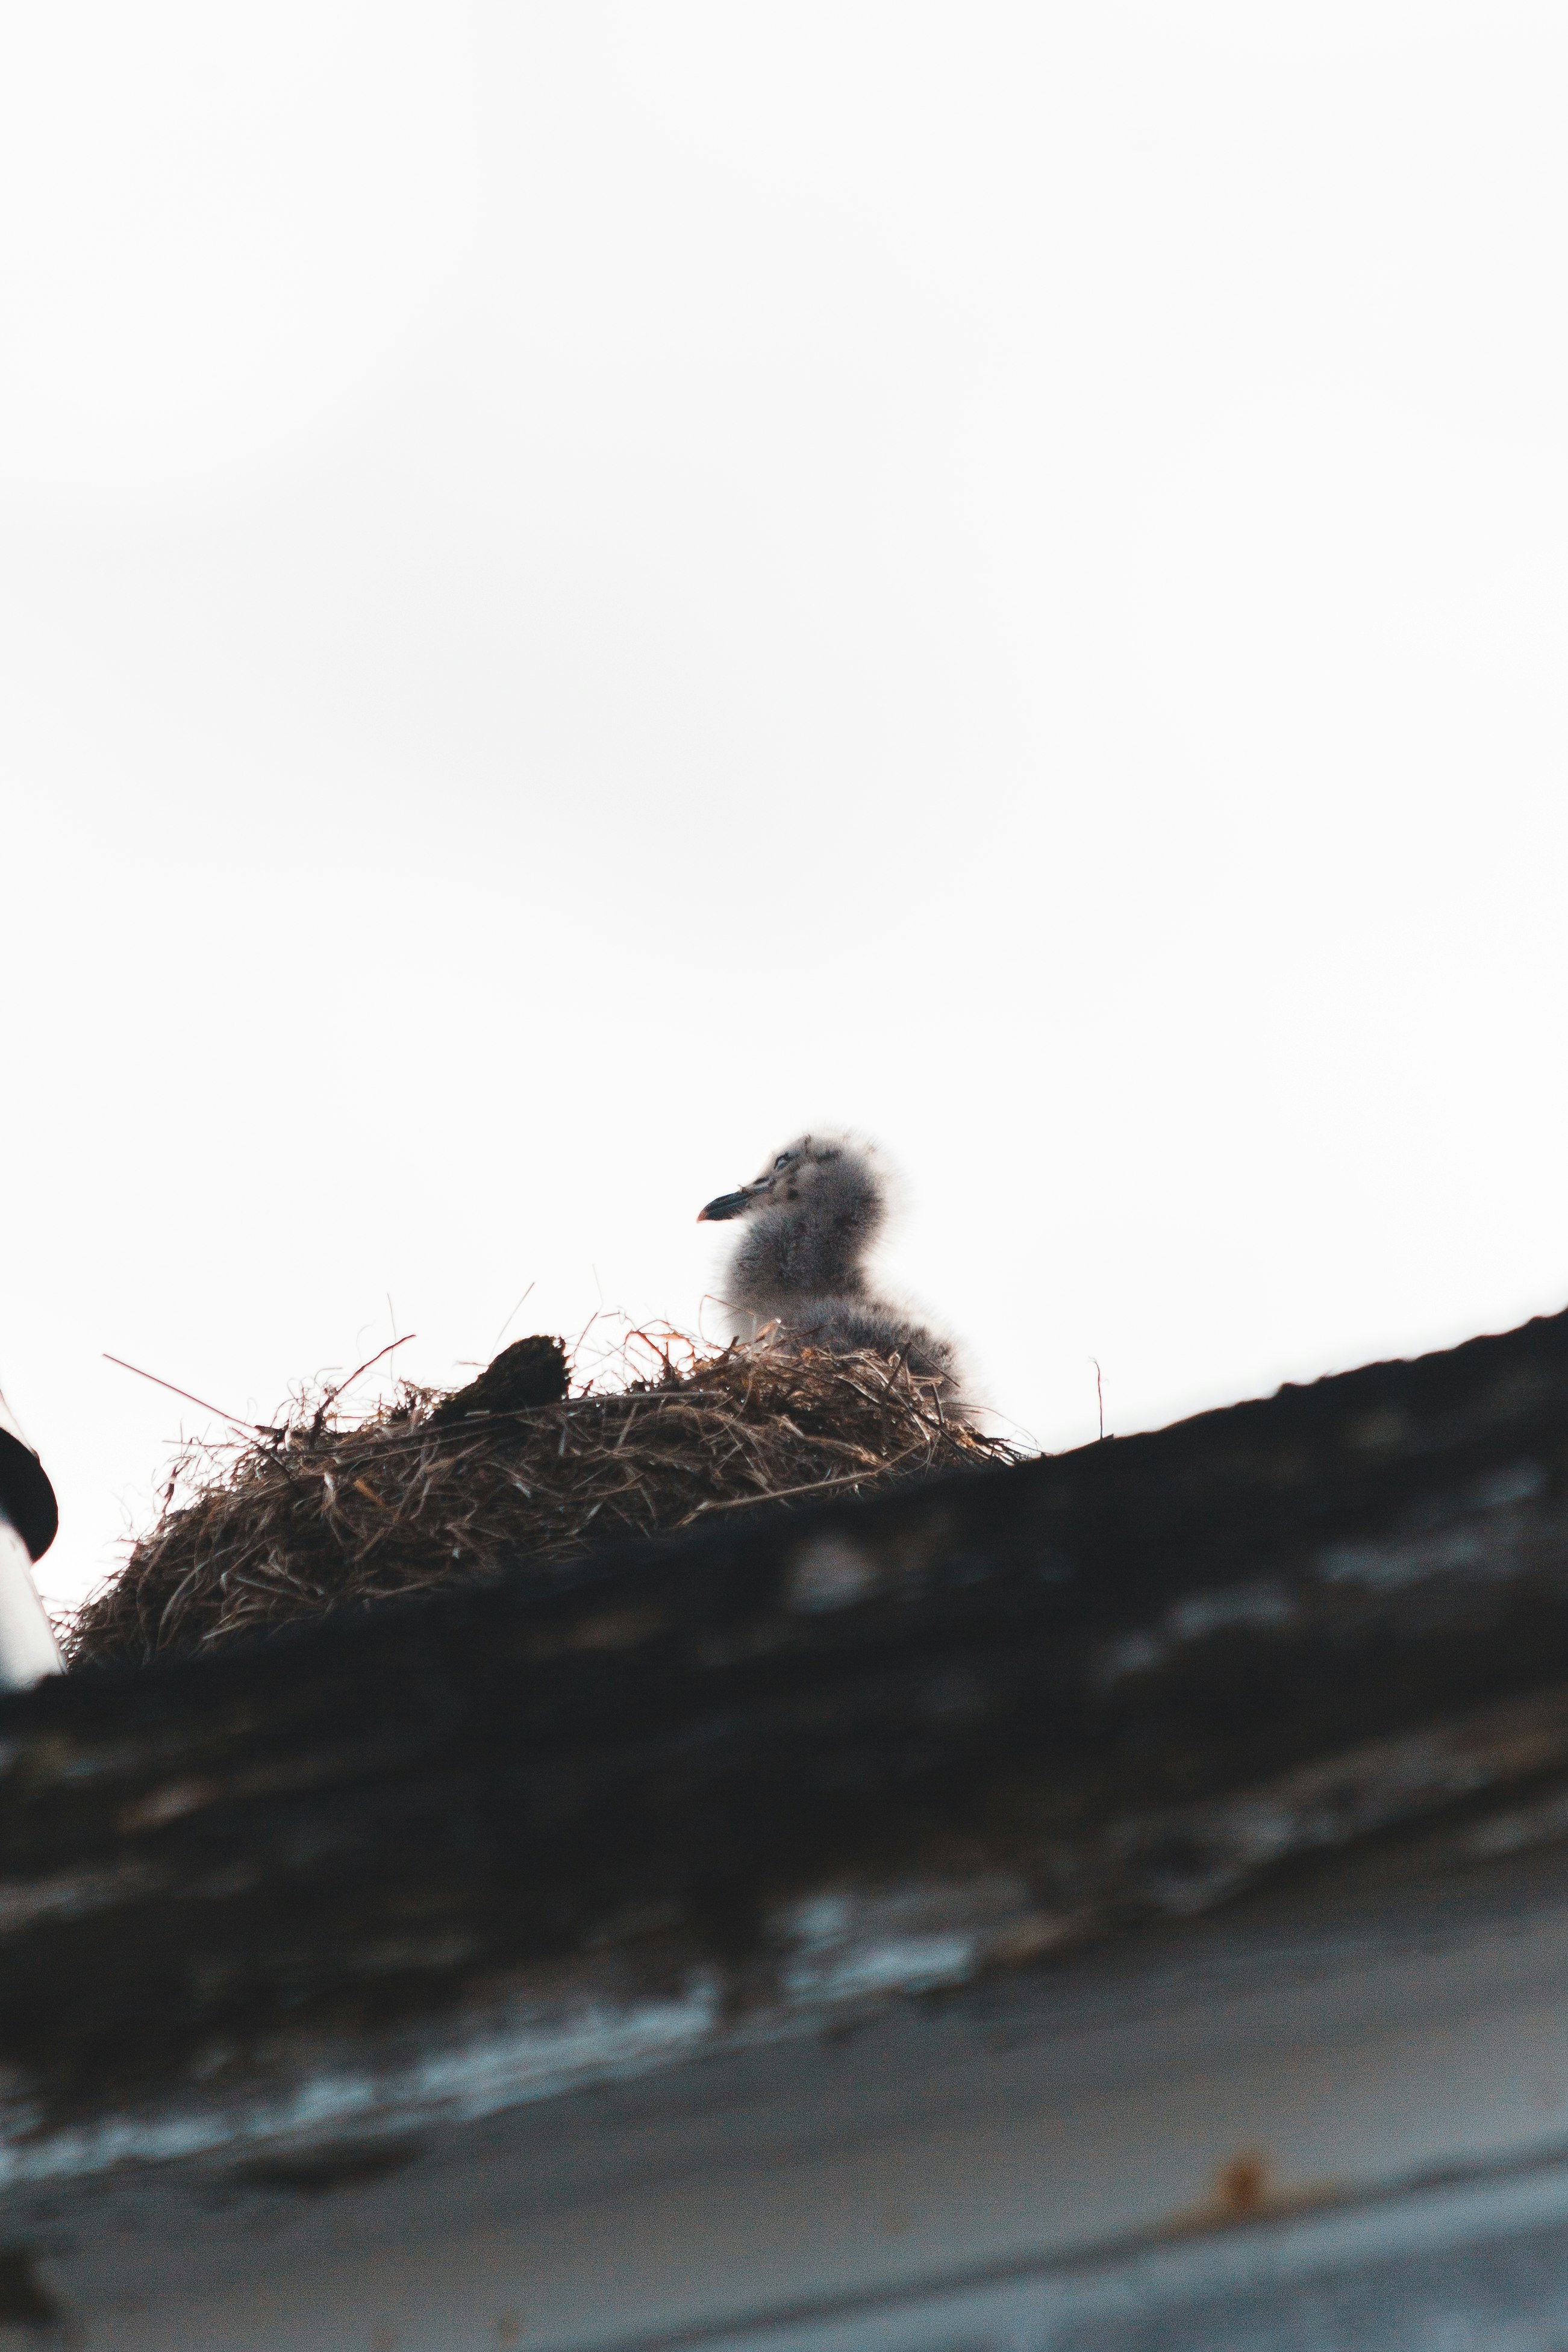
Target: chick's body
810, 1219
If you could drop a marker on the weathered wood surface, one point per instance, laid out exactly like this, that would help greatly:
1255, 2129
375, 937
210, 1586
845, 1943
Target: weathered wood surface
611, 1816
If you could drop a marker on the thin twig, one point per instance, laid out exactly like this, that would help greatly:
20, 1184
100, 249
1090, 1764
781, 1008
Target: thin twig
520, 1304
816, 1487
344, 1385
261, 1428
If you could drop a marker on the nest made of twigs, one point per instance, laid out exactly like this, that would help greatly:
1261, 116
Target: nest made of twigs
432, 1488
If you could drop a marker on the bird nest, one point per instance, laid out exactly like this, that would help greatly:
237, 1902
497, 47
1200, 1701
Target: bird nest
433, 1488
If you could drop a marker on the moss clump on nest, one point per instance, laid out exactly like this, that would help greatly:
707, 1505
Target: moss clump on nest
431, 1488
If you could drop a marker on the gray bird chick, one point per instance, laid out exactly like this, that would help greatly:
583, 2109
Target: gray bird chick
810, 1221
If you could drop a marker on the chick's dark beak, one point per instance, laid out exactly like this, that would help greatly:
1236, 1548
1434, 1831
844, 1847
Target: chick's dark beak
729, 1205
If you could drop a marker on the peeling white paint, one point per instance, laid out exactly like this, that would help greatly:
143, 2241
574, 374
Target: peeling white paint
1243, 1605
1520, 1482
907, 1940
508, 2065
1387, 1566
830, 1573
1261, 1604
841, 1953
896, 1964
1414, 1553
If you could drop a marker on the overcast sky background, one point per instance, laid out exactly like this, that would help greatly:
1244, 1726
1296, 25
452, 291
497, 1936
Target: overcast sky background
582, 587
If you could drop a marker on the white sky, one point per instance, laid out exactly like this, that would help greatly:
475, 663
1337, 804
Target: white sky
584, 586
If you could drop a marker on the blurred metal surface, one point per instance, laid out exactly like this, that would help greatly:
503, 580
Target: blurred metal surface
26, 1497
29, 1650
28, 1519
